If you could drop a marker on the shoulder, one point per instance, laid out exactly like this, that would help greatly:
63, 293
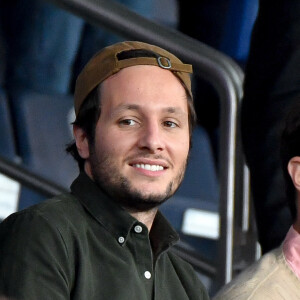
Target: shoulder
268, 278
54, 215
43, 232
36, 242
188, 277
55, 208
178, 262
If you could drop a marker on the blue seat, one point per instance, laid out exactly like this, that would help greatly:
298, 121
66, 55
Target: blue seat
241, 16
2, 59
9, 189
7, 143
43, 128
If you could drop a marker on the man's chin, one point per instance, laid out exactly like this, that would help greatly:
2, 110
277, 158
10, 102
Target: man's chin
139, 200
142, 204
134, 196
149, 195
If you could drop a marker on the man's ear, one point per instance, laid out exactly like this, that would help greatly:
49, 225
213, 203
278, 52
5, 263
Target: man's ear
81, 141
294, 171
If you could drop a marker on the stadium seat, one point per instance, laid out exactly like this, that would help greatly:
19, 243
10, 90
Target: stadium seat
237, 32
43, 125
9, 189
7, 145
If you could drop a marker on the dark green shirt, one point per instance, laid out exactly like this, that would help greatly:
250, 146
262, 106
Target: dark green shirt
85, 246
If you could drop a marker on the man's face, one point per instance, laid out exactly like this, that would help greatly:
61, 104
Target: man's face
141, 138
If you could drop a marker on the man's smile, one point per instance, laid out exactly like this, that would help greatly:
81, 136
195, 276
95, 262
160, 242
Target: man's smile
153, 168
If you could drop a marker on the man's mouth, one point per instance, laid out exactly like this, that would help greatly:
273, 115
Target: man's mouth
149, 167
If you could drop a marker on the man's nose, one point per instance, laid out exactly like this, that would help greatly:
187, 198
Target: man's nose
152, 138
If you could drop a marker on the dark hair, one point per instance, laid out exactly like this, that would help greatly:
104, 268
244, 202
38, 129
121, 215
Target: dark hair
90, 110
289, 148
86, 119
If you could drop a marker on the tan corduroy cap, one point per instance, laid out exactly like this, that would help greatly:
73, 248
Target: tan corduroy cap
106, 63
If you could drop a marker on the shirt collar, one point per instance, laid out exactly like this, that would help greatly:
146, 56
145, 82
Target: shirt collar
291, 250
117, 220
162, 235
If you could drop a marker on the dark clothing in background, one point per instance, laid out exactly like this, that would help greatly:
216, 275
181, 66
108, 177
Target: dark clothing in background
85, 246
271, 84
205, 21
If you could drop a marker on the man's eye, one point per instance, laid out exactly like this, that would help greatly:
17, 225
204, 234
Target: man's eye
170, 124
128, 122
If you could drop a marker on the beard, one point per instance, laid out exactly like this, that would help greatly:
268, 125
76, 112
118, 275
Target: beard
107, 176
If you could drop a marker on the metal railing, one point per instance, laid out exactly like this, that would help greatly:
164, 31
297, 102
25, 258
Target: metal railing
219, 70
29, 179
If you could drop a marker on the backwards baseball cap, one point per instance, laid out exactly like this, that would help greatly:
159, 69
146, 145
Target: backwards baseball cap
110, 61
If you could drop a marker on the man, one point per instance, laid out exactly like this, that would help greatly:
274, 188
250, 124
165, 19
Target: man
106, 239
272, 82
277, 274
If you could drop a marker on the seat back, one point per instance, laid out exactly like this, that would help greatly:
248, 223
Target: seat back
7, 143
43, 130
9, 189
241, 16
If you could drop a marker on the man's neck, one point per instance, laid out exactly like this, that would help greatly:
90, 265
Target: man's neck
146, 218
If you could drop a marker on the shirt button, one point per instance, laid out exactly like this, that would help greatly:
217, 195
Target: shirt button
147, 275
121, 240
138, 229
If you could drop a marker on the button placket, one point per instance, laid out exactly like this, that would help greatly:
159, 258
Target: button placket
143, 251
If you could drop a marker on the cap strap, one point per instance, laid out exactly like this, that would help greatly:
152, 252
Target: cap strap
179, 67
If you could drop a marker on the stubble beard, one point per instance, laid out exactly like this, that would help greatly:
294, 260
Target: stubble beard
107, 176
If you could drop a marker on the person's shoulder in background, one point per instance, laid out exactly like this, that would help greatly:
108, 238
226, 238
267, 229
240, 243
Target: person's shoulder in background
268, 278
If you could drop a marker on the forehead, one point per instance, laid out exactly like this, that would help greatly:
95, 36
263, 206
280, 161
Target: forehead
143, 85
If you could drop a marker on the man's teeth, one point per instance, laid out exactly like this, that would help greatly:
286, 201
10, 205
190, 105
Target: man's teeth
149, 167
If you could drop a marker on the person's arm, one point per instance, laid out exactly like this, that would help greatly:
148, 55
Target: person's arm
34, 262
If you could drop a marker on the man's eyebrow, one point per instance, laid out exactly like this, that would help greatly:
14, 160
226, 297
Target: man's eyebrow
135, 107
129, 107
174, 110
125, 107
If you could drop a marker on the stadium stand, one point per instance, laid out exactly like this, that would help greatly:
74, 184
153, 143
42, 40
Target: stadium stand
43, 130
